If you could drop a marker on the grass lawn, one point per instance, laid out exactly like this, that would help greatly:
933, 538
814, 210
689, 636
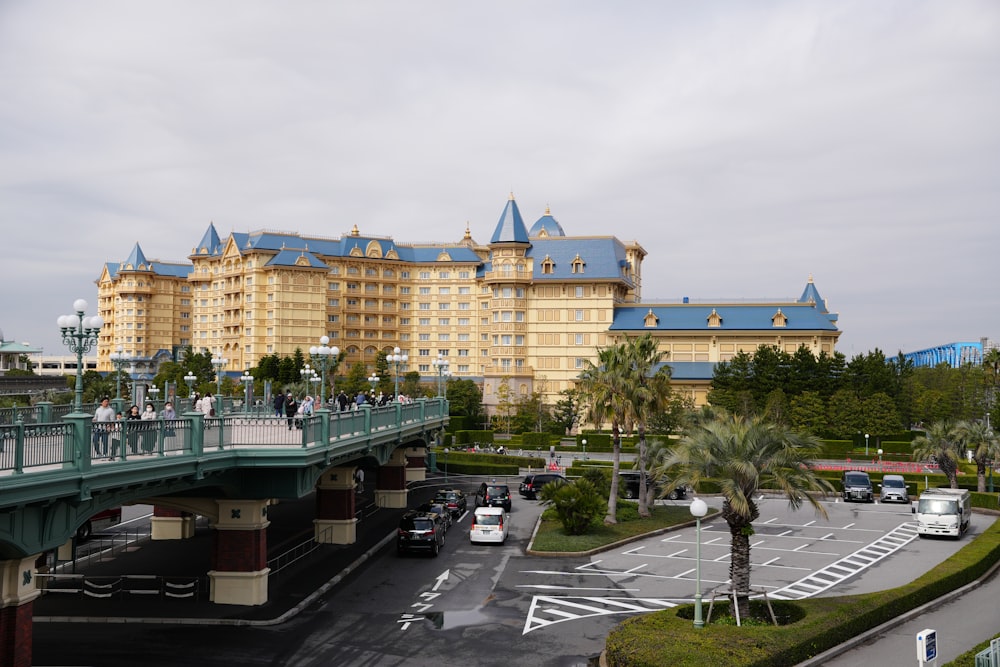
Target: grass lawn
550, 536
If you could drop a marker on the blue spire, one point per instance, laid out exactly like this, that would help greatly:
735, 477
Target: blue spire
210, 243
510, 228
811, 295
136, 260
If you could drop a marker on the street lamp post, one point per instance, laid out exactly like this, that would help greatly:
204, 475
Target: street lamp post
120, 359
440, 364
247, 381
866, 445
154, 393
373, 379
584, 443
396, 358
446, 450
880, 456
698, 510
219, 363
79, 335
323, 353
190, 379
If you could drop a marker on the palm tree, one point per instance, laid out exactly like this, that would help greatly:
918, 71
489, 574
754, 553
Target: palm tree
604, 386
743, 455
647, 389
977, 437
940, 441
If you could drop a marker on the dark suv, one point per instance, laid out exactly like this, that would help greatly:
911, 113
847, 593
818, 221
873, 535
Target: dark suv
453, 499
857, 486
629, 482
420, 531
533, 483
493, 495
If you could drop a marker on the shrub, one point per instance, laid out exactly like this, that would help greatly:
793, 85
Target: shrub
577, 504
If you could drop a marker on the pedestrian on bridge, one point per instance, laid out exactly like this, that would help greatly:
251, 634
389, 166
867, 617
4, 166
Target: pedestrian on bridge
279, 404
103, 417
291, 407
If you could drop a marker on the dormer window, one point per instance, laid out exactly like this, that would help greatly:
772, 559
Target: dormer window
714, 319
548, 266
651, 320
578, 264
779, 319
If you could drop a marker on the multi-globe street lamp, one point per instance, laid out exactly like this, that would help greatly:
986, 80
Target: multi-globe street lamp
323, 354
219, 363
440, 364
80, 335
119, 359
373, 379
247, 381
396, 359
698, 509
154, 393
190, 379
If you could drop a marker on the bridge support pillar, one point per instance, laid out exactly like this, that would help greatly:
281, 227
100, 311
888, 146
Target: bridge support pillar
170, 524
335, 522
415, 466
390, 485
17, 594
239, 553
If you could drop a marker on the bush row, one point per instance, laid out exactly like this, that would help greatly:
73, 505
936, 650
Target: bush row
665, 637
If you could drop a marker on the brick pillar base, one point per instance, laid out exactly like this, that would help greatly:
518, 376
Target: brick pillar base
239, 553
170, 524
17, 595
416, 467
335, 522
390, 487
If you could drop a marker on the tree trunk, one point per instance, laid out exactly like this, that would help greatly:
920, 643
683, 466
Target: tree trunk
643, 503
612, 516
740, 531
981, 476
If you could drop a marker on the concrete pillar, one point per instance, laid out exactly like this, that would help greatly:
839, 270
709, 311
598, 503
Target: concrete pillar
415, 466
171, 524
239, 553
17, 594
335, 522
390, 485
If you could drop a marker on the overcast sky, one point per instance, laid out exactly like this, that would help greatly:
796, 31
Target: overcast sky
745, 145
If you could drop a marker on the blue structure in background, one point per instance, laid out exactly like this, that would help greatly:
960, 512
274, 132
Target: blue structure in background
953, 354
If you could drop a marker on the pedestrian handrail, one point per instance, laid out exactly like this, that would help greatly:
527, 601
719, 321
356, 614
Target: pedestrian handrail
989, 657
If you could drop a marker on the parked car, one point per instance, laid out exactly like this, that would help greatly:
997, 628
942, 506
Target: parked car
893, 488
453, 499
420, 531
629, 482
857, 486
531, 484
489, 524
491, 494
440, 509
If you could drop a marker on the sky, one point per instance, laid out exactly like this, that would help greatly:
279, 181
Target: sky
745, 145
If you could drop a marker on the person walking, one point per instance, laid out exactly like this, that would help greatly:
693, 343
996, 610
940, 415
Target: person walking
103, 417
342, 401
168, 415
132, 426
279, 404
148, 429
291, 407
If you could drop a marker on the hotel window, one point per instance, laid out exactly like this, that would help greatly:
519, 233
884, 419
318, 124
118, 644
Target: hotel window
425, 275
579, 292
463, 368
464, 290
404, 274
578, 362
334, 303
423, 368
424, 337
463, 275
444, 290
444, 321
444, 275
463, 353
518, 340
404, 321
444, 306
463, 337
424, 321
578, 316
579, 339
404, 290
425, 306
463, 306
444, 337
423, 353
424, 290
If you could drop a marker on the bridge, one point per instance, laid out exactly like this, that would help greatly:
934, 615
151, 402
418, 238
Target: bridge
55, 475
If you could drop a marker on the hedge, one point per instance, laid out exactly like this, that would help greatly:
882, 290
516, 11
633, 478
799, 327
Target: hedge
469, 437
666, 637
534, 439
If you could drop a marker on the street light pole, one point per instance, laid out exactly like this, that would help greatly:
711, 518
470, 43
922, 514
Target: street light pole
322, 354
190, 380
373, 379
219, 363
584, 443
396, 358
247, 381
440, 364
79, 335
120, 359
866, 445
698, 510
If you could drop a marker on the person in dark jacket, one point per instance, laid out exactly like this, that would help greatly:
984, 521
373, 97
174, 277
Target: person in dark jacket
279, 404
342, 401
291, 407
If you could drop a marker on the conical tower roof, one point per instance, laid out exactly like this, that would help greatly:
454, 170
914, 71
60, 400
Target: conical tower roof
510, 228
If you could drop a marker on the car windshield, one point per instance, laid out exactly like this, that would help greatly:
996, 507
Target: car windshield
857, 480
488, 519
496, 490
932, 506
420, 524
894, 483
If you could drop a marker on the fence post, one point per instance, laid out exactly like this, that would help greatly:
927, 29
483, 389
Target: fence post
77, 443
196, 427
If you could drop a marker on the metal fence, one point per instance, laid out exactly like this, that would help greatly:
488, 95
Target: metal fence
989, 657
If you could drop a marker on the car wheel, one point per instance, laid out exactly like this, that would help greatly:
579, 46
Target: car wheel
673, 495
435, 549
84, 532
629, 495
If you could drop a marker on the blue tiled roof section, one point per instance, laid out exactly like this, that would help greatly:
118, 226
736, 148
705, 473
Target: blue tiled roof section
291, 258
510, 228
343, 246
171, 269
603, 258
690, 317
209, 242
547, 223
137, 259
811, 295
690, 370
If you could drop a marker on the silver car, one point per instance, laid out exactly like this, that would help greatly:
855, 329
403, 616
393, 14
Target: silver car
893, 489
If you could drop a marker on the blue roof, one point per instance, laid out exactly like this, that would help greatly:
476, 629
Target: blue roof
603, 257
689, 370
210, 243
136, 260
293, 257
546, 225
510, 228
735, 317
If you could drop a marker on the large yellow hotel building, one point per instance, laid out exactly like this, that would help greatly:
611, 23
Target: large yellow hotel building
531, 305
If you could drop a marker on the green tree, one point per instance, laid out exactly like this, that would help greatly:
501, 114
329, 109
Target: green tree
465, 399
940, 441
577, 504
879, 415
411, 386
807, 413
505, 403
977, 437
566, 413
742, 456
776, 407
844, 415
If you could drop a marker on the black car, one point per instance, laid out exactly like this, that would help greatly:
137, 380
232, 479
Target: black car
420, 531
531, 484
437, 508
857, 486
453, 499
493, 495
629, 484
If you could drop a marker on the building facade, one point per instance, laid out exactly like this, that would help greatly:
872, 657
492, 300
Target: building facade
524, 311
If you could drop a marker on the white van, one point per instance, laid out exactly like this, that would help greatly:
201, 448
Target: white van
943, 512
489, 524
